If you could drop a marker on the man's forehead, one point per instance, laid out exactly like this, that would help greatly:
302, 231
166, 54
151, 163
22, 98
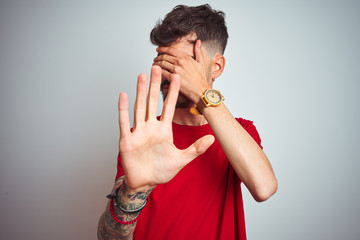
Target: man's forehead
185, 44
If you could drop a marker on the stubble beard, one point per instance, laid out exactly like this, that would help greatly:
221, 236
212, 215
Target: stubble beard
182, 101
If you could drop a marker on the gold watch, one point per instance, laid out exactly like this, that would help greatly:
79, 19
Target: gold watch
211, 98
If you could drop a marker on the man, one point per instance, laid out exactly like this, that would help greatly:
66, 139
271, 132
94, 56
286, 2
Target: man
179, 174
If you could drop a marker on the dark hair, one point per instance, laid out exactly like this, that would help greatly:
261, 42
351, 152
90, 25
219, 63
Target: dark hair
208, 24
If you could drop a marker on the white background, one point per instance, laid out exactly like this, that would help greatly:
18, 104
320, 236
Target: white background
291, 66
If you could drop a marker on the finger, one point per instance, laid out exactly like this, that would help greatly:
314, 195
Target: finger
170, 51
165, 57
124, 121
166, 65
198, 53
140, 102
171, 99
197, 148
154, 92
165, 74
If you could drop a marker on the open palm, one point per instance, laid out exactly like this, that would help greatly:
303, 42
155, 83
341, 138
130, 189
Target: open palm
148, 154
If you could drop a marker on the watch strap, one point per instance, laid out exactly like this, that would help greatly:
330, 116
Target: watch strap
199, 107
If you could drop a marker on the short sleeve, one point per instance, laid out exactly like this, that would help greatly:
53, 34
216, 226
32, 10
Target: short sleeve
251, 129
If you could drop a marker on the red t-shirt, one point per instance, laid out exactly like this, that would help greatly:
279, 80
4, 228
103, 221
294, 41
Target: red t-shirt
203, 201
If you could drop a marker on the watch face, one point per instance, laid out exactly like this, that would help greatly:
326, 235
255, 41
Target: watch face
213, 96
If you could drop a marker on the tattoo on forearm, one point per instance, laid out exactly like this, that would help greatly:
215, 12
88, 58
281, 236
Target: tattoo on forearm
140, 196
108, 228
132, 201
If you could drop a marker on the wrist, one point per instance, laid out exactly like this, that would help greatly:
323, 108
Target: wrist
211, 98
197, 92
133, 190
132, 199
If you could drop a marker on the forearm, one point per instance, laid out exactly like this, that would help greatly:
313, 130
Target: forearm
248, 160
108, 227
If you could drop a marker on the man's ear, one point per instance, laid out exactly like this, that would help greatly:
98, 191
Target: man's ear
218, 65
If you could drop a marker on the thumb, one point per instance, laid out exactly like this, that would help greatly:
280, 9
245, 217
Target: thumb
197, 148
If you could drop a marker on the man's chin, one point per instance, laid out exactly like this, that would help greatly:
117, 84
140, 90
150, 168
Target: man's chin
182, 101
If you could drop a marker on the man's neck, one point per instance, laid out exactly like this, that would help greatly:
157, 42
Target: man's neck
182, 116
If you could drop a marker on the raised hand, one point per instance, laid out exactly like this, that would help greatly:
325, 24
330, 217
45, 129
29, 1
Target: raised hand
148, 154
193, 74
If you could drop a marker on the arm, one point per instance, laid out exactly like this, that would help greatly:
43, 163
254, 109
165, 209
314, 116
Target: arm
248, 160
108, 228
148, 154
246, 157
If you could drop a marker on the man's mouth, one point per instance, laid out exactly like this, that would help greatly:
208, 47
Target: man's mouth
165, 85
